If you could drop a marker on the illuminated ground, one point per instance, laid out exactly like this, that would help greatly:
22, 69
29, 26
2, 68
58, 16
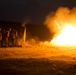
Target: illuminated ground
38, 61
56, 53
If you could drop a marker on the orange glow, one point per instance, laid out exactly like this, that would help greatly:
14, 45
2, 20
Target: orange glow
67, 36
62, 24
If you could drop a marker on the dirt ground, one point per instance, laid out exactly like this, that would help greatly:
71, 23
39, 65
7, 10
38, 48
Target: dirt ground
38, 61
34, 66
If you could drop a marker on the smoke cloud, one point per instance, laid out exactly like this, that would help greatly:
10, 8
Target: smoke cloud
55, 21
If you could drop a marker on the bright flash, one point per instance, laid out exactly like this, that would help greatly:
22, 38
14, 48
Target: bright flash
67, 37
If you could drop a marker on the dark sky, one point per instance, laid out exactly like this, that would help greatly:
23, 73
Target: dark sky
33, 11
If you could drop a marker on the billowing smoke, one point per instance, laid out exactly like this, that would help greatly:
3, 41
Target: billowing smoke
34, 42
55, 21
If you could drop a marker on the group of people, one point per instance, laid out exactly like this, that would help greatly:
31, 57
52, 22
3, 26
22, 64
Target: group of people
8, 37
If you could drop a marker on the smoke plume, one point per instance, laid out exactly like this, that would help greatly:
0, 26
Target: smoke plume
55, 21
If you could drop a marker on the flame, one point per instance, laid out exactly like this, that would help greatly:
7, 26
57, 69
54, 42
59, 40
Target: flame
62, 24
67, 36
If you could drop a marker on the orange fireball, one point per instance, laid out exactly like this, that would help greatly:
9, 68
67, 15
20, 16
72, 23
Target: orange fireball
67, 37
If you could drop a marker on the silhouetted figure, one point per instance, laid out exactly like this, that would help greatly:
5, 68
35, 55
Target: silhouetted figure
0, 37
7, 36
4, 42
12, 37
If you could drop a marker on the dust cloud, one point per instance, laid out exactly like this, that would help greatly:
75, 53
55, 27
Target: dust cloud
56, 21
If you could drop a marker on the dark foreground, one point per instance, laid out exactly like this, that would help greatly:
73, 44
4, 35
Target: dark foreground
34, 66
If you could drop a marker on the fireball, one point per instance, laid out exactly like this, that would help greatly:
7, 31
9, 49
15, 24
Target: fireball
62, 24
67, 36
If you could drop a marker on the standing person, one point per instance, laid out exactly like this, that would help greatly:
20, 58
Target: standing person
15, 34
0, 36
6, 37
3, 42
9, 37
12, 37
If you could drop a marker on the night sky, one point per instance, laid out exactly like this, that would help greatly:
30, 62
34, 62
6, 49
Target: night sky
31, 11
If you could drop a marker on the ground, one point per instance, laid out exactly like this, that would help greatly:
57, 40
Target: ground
38, 60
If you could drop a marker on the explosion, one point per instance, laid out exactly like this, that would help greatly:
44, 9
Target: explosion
67, 36
63, 25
